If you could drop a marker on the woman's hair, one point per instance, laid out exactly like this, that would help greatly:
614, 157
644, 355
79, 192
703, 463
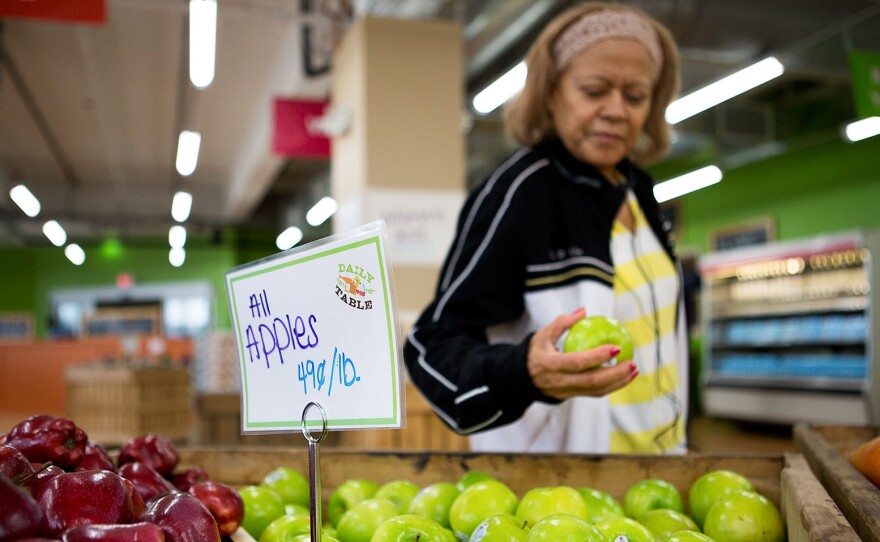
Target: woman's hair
528, 118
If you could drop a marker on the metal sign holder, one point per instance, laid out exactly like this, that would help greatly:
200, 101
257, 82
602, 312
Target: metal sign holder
315, 469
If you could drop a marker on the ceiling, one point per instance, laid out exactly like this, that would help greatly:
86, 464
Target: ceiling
90, 114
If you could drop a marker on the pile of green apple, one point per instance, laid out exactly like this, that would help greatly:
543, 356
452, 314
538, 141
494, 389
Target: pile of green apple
723, 506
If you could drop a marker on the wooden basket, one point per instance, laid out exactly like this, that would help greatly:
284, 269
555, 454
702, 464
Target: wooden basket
825, 448
808, 511
115, 403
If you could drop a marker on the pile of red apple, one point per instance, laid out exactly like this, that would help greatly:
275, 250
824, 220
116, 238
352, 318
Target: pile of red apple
58, 485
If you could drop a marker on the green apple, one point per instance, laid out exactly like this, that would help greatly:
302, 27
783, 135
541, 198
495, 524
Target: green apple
412, 528
650, 494
593, 331
688, 536
600, 505
296, 510
500, 528
479, 501
284, 528
262, 506
348, 494
400, 492
289, 484
663, 522
541, 502
744, 516
307, 537
470, 477
710, 487
361, 520
435, 501
626, 529
565, 528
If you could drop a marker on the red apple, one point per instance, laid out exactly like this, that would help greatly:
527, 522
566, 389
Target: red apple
36, 482
185, 479
133, 532
44, 438
13, 463
149, 483
20, 515
156, 451
183, 518
72, 499
96, 458
223, 502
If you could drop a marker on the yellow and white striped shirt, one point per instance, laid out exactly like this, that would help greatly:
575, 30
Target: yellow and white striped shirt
647, 416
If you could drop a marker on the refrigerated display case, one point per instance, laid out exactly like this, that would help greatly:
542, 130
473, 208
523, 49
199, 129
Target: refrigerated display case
789, 332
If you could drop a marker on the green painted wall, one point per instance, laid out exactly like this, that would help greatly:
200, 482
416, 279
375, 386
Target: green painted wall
822, 188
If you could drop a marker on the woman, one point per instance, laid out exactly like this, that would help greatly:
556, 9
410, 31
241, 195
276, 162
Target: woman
566, 226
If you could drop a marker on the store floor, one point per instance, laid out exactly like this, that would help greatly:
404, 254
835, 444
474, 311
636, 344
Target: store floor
720, 436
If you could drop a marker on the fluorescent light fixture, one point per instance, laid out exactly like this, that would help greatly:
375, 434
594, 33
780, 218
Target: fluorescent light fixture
177, 236
176, 256
202, 41
188, 152
862, 129
687, 183
181, 205
75, 254
288, 238
724, 89
491, 97
25, 200
56, 234
321, 211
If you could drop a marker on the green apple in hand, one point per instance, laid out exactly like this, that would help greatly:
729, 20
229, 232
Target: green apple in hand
500, 528
593, 331
435, 501
289, 484
688, 536
262, 506
651, 494
412, 528
540, 502
479, 501
348, 494
565, 528
710, 487
744, 516
600, 505
663, 522
361, 520
626, 529
400, 492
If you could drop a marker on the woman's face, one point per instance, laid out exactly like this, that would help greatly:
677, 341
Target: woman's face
601, 102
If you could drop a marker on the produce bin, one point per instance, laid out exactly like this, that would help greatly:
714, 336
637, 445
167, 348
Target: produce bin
114, 403
825, 447
808, 511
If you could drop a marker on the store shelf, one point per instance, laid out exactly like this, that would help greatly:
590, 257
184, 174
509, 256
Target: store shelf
793, 317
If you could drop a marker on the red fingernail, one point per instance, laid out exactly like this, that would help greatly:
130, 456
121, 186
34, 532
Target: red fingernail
614, 351
580, 309
633, 368
634, 374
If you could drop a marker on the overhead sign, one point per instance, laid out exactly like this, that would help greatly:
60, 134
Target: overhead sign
88, 11
318, 324
865, 67
293, 135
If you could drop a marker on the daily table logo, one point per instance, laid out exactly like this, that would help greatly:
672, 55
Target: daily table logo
353, 286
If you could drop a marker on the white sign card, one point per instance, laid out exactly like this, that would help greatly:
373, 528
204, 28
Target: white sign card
318, 323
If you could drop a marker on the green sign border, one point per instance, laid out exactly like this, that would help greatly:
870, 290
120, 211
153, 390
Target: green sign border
331, 423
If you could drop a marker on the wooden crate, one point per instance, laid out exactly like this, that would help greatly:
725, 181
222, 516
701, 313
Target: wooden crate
114, 403
825, 448
808, 511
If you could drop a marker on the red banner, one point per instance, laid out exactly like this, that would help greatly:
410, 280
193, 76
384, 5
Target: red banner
292, 136
87, 11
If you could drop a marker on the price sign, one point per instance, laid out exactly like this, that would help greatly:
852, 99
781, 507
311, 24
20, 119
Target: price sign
318, 324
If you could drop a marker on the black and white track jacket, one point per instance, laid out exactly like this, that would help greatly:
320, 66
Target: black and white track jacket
541, 213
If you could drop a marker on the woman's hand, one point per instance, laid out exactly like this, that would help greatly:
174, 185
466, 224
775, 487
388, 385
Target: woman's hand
568, 374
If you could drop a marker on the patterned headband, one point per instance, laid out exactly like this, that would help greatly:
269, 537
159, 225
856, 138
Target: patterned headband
602, 25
